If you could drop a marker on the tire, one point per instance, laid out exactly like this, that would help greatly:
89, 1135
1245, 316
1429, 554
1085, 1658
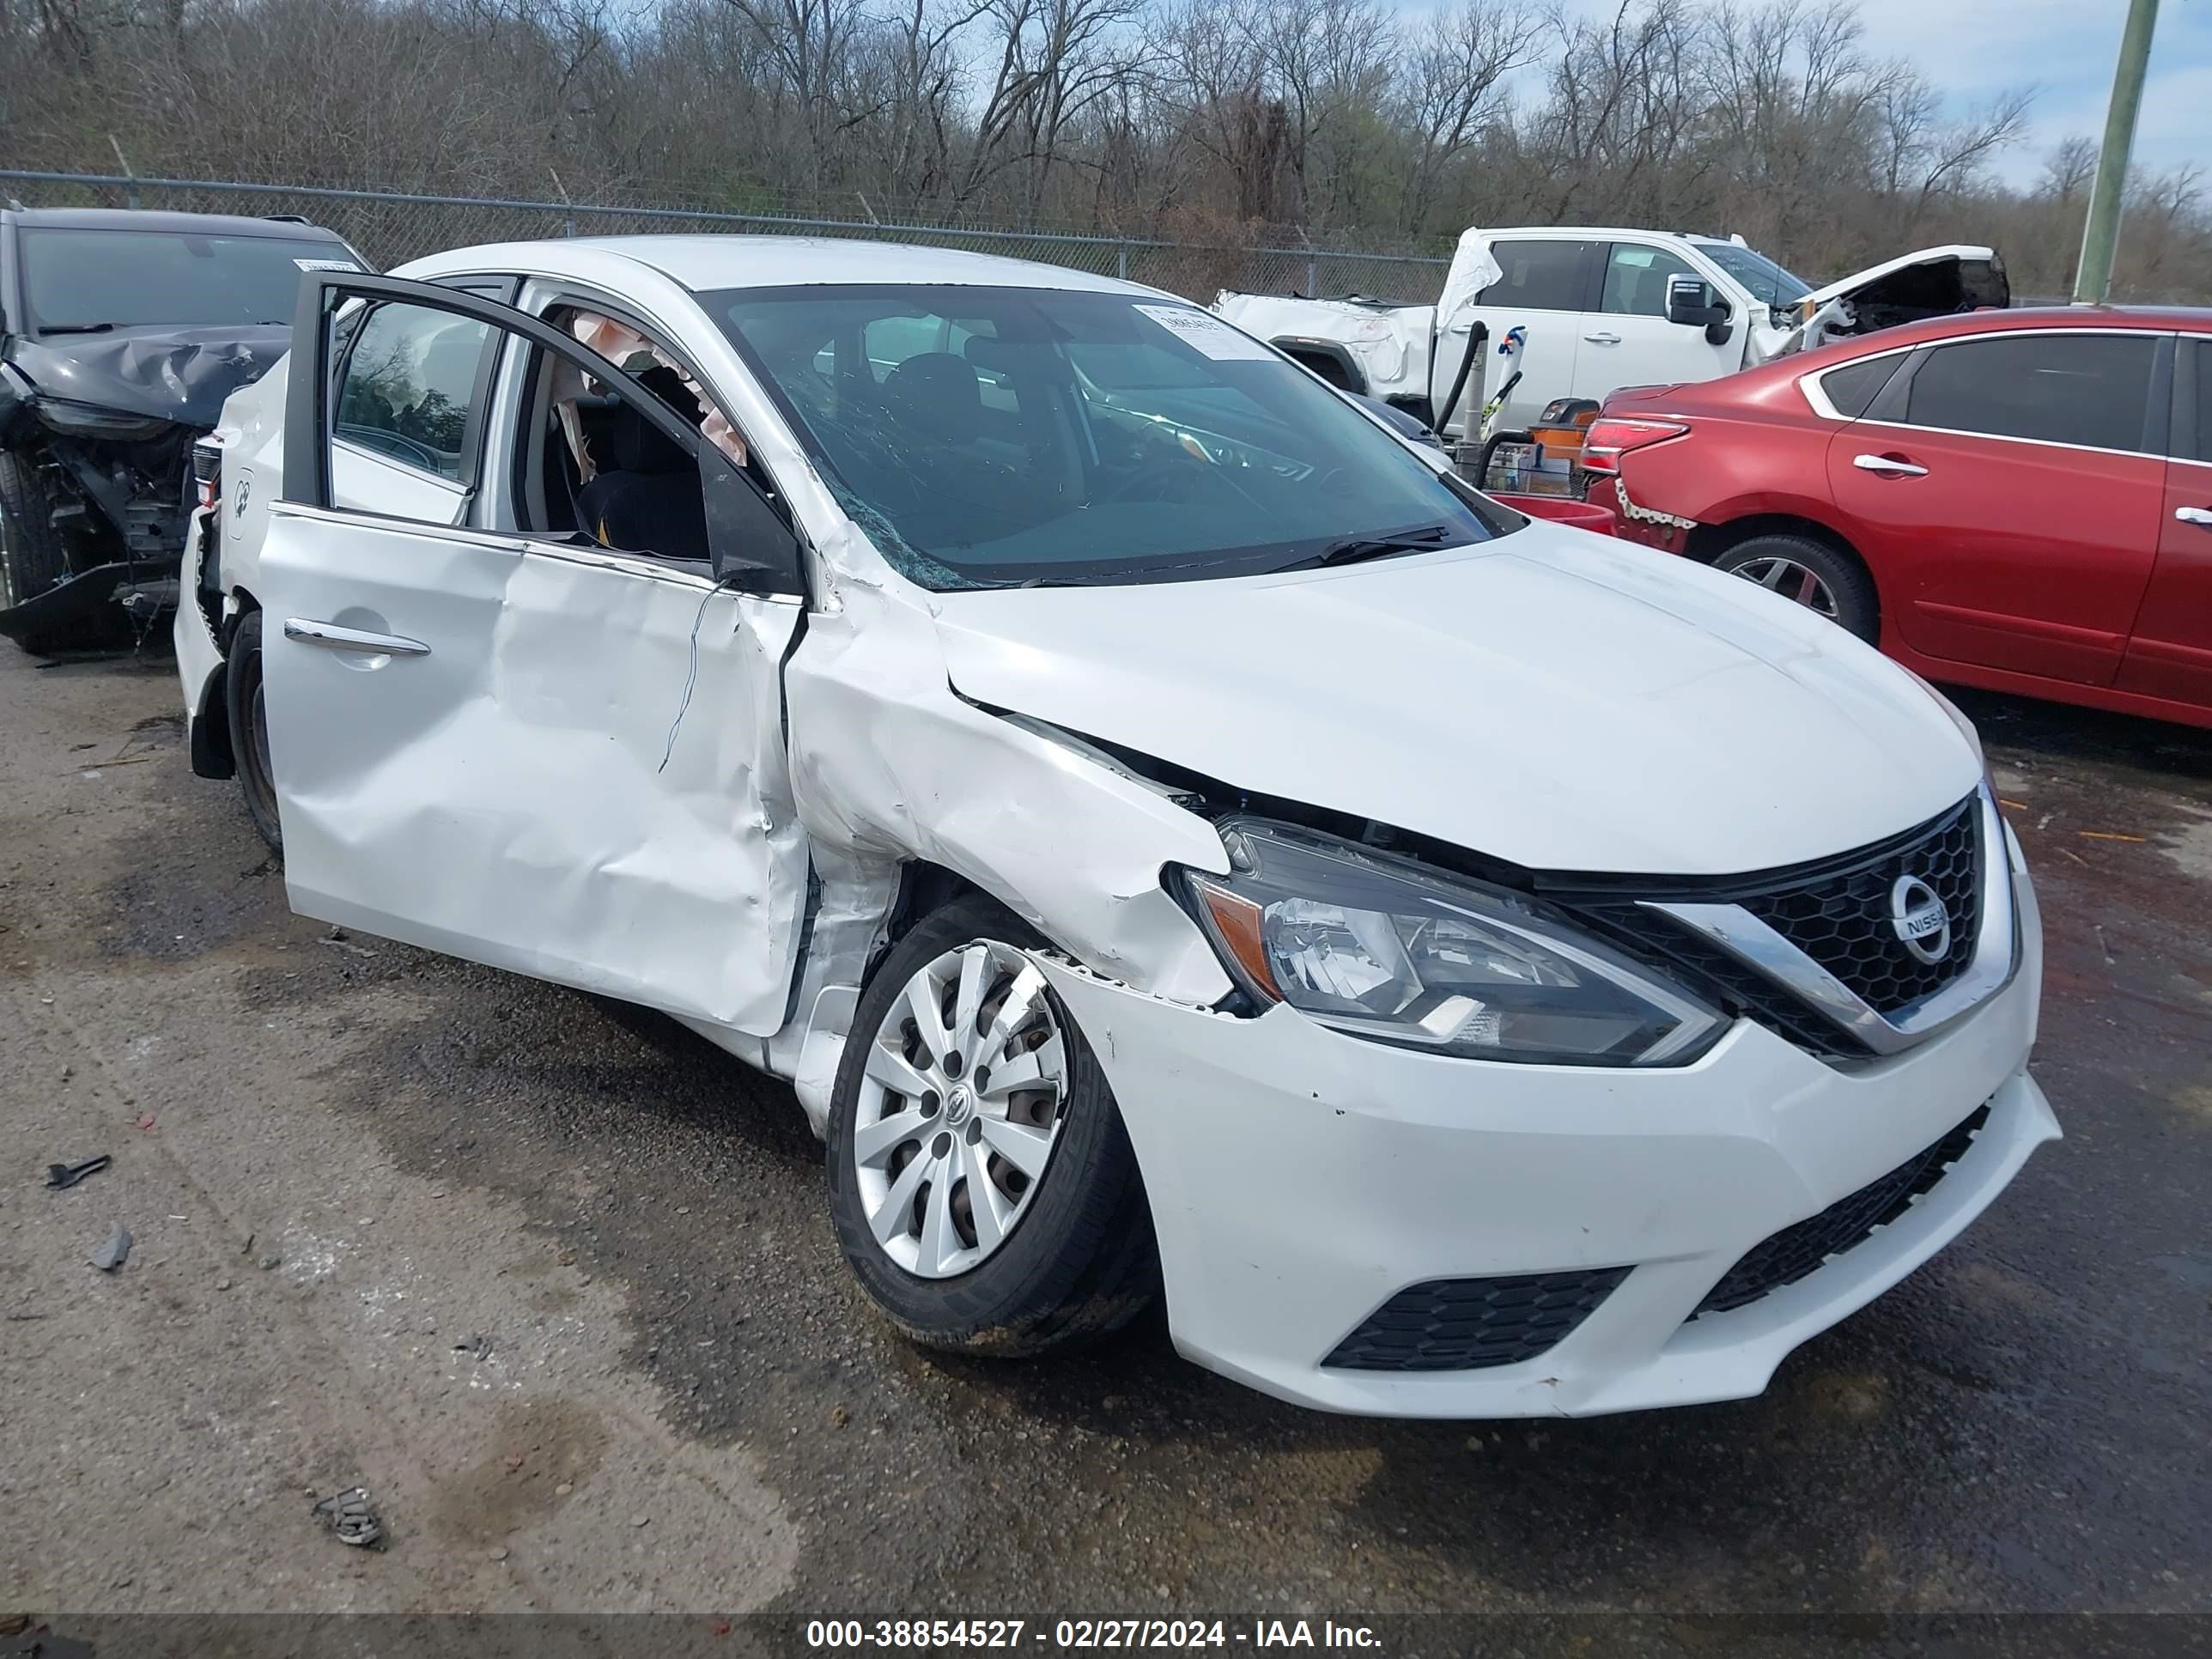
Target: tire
1822, 578
245, 706
1076, 1259
32, 557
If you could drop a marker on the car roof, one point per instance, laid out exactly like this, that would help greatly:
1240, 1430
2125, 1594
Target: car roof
1573, 232
195, 224
2192, 320
739, 259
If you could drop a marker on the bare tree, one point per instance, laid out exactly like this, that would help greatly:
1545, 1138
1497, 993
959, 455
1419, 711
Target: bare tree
1346, 118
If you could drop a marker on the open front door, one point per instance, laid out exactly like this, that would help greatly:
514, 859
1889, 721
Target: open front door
475, 735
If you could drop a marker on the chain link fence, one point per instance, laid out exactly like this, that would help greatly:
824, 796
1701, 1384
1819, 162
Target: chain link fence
391, 228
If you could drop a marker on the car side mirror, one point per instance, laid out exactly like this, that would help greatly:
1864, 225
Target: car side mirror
1691, 302
753, 550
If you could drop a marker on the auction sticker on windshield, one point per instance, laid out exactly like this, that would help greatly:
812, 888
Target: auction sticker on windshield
1209, 334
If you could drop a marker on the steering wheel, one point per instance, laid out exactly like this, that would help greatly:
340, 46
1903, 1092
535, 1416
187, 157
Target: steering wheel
1148, 479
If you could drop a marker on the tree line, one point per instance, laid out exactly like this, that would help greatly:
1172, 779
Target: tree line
1353, 122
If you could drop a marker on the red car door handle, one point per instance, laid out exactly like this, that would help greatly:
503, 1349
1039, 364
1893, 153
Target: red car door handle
2195, 515
1889, 466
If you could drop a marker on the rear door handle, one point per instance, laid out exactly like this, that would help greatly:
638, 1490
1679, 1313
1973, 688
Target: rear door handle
2195, 515
1602, 339
332, 637
1889, 465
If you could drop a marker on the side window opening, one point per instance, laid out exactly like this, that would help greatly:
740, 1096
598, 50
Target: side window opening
2090, 389
1635, 280
609, 474
408, 388
1852, 388
1541, 275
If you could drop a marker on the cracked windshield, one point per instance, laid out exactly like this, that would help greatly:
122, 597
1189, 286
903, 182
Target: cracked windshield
989, 437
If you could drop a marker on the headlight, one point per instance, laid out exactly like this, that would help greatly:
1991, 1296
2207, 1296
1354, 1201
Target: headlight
1384, 948
90, 421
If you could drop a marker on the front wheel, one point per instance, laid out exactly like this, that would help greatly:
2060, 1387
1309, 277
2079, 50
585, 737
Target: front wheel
32, 557
1821, 578
981, 1182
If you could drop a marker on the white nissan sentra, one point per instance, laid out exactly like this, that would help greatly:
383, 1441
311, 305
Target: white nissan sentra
1175, 836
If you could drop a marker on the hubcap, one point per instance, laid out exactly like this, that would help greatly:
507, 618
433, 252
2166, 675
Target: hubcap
7, 566
961, 1102
1793, 581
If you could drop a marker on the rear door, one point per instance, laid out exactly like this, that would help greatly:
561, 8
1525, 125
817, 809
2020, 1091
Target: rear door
1542, 287
1627, 340
2005, 490
2171, 655
529, 751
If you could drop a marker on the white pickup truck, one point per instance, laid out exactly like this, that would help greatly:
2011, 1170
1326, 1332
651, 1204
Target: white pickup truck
1602, 308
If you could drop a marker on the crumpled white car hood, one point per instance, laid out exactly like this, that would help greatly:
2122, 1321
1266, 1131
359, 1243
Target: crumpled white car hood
1549, 698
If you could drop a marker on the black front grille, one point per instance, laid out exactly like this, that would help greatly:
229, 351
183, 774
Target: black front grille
1844, 923
1803, 1247
1838, 912
1471, 1324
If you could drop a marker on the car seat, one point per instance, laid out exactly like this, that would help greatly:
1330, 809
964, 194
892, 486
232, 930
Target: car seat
646, 497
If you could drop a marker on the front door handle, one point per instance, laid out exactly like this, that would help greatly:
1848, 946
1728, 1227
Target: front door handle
2195, 515
332, 637
1888, 465
1602, 339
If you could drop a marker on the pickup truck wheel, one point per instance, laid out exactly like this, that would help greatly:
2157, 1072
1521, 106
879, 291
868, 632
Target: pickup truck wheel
1812, 574
32, 557
243, 700
981, 1183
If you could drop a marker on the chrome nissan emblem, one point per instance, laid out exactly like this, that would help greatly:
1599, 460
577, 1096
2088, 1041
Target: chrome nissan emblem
958, 1105
1923, 925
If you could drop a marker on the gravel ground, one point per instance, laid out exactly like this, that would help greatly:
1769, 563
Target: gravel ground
555, 1281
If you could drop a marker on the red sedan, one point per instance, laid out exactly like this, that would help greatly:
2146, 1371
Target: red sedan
2016, 500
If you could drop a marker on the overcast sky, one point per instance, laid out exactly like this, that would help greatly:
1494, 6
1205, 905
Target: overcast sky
2067, 50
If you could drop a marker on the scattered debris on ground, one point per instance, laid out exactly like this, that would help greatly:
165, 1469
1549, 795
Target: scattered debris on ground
350, 1515
474, 1343
115, 1252
61, 1175
338, 937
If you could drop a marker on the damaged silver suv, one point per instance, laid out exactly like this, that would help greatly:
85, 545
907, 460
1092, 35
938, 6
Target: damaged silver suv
121, 332
1173, 834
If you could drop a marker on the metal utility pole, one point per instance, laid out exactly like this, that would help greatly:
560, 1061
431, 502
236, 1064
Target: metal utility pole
2093, 279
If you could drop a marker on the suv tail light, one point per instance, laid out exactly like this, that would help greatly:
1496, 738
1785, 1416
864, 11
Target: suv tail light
207, 471
1612, 436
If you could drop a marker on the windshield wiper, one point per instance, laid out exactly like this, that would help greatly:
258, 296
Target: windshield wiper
76, 328
1356, 550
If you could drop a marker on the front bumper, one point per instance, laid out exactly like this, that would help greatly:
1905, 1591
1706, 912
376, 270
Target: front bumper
1299, 1178
200, 661
71, 603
